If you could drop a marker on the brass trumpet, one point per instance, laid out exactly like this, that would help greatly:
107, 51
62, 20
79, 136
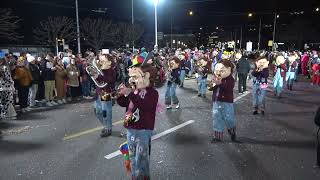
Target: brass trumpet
94, 71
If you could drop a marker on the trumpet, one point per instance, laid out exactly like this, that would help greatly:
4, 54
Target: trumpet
94, 71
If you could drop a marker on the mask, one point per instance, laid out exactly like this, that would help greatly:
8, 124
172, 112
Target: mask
222, 71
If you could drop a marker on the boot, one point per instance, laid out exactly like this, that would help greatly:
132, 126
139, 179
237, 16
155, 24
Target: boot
232, 133
105, 132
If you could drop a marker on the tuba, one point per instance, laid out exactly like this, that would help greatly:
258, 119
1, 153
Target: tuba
94, 71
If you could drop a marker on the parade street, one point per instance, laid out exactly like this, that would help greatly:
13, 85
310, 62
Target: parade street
63, 143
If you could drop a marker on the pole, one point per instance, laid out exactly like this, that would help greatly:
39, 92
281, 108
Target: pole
235, 40
241, 38
274, 32
171, 31
132, 20
57, 48
259, 38
78, 27
156, 25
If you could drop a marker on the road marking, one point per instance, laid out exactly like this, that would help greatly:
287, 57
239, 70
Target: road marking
88, 131
121, 121
241, 96
155, 137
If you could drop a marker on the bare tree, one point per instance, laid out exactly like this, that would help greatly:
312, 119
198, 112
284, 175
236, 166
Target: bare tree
97, 32
55, 28
9, 24
127, 33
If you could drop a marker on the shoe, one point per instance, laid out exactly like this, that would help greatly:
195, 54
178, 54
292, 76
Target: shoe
54, 103
232, 133
64, 101
28, 109
169, 107
199, 95
49, 104
89, 97
262, 112
255, 112
215, 140
203, 96
177, 106
23, 110
105, 132
59, 102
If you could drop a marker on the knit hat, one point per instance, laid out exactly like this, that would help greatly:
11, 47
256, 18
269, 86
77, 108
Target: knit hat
140, 60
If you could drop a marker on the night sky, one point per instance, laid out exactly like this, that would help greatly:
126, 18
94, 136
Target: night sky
207, 13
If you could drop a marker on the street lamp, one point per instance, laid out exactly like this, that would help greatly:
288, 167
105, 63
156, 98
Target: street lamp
250, 15
317, 9
278, 16
190, 13
155, 3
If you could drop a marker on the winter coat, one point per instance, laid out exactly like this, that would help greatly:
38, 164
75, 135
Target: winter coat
35, 73
243, 66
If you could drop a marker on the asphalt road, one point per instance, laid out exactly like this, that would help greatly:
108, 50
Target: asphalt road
64, 144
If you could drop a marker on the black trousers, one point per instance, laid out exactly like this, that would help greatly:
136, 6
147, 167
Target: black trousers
23, 92
242, 82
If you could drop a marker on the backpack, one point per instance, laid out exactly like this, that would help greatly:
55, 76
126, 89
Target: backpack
317, 118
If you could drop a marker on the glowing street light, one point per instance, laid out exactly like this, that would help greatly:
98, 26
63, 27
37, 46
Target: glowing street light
317, 9
250, 15
278, 16
155, 3
190, 13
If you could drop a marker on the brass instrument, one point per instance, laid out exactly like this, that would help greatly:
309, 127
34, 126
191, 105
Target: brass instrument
94, 71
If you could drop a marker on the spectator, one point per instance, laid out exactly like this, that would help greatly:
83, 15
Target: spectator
35, 73
49, 79
23, 78
73, 81
60, 76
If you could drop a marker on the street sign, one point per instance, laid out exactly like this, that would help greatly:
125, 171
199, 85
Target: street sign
65, 46
160, 35
105, 51
249, 46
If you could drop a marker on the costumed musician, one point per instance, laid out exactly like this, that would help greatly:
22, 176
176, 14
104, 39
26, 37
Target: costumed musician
260, 84
173, 78
104, 78
278, 79
292, 66
140, 101
202, 71
222, 101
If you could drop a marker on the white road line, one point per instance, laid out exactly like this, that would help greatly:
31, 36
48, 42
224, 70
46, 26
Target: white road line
155, 137
241, 96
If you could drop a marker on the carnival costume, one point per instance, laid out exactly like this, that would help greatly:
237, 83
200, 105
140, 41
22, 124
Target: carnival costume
222, 101
141, 104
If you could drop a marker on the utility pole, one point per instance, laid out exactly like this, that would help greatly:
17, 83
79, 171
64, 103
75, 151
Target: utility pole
259, 38
78, 27
241, 37
274, 32
171, 31
132, 19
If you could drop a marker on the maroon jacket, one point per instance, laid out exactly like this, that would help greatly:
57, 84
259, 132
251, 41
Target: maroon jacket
224, 91
147, 108
283, 70
109, 76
